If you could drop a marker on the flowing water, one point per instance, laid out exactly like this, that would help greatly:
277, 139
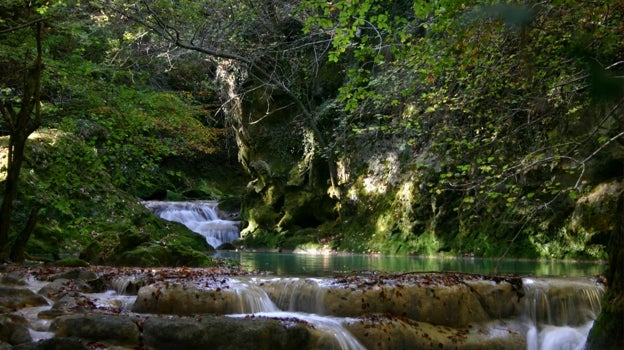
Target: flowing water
557, 313
560, 304
199, 216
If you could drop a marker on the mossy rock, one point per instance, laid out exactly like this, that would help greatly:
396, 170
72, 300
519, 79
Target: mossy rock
163, 255
129, 240
93, 253
181, 247
597, 211
71, 262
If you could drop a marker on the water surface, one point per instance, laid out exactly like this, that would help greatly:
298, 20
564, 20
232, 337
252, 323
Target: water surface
318, 265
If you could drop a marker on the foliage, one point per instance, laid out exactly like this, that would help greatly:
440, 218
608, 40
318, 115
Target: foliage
20, 108
129, 129
456, 125
495, 108
136, 131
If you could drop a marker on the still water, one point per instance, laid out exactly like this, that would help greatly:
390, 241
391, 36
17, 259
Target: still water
319, 265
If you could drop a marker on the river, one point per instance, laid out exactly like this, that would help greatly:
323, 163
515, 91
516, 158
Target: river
556, 292
323, 265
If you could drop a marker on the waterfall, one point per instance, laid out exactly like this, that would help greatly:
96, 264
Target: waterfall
200, 217
255, 300
560, 313
338, 337
295, 294
252, 299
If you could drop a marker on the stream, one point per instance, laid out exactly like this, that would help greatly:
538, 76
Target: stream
554, 309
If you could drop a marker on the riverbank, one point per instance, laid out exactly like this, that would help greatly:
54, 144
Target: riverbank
102, 307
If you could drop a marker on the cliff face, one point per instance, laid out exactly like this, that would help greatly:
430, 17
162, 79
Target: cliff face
408, 191
495, 140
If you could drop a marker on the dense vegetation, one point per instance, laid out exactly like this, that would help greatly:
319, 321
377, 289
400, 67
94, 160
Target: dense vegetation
479, 128
469, 128
114, 127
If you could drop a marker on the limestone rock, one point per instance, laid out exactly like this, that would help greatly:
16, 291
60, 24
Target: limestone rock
13, 298
13, 330
178, 299
111, 329
389, 332
214, 332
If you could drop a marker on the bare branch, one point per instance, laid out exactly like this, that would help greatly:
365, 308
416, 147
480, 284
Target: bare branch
22, 26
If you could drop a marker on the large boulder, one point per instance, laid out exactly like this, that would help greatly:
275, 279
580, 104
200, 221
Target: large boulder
181, 299
597, 211
62, 287
389, 332
110, 329
215, 332
13, 298
440, 299
52, 344
13, 330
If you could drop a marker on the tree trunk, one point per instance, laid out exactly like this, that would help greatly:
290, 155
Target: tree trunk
608, 329
21, 122
15, 159
17, 251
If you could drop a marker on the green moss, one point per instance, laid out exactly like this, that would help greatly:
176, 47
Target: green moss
163, 255
606, 332
71, 262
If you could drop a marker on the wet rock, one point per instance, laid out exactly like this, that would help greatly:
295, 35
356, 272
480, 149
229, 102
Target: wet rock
14, 278
61, 287
111, 329
214, 332
53, 344
390, 332
129, 285
451, 306
181, 299
450, 302
499, 299
13, 330
73, 274
69, 303
13, 298
226, 246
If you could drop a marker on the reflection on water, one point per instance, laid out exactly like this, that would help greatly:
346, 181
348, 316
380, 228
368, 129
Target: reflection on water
290, 264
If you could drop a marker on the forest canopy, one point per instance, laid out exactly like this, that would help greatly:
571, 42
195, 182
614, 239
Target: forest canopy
435, 126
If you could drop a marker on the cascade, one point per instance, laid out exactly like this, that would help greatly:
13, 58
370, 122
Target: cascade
200, 217
295, 294
339, 337
553, 313
252, 299
559, 313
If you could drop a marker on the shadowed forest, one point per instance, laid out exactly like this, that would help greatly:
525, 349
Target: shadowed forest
435, 128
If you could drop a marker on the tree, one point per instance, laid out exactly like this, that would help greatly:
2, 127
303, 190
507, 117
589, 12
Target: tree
520, 101
262, 36
20, 106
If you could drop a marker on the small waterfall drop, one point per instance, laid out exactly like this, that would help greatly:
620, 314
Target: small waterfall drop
200, 217
560, 313
252, 299
338, 336
295, 294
